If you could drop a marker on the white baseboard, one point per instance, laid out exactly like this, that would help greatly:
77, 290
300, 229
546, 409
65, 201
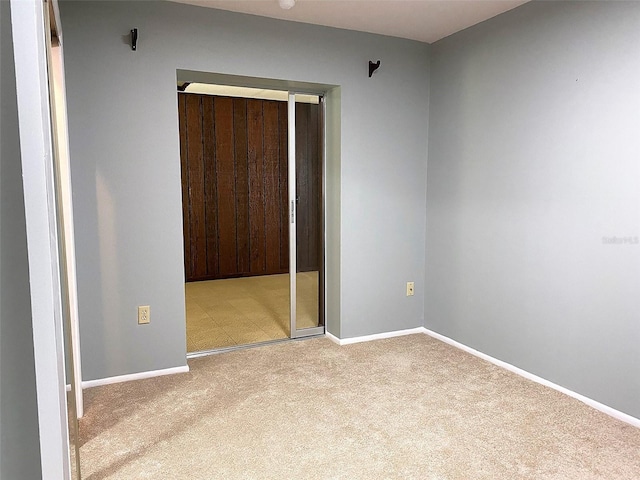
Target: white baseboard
376, 336
518, 371
331, 337
398, 333
530, 376
134, 376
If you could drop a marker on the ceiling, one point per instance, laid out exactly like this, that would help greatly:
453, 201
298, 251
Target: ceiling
422, 20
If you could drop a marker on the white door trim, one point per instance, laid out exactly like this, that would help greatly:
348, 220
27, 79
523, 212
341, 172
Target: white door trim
44, 279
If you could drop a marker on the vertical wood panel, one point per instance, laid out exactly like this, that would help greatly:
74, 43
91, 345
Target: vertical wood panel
242, 183
226, 185
196, 186
313, 188
256, 185
210, 197
283, 161
302, 188
184, 171
308, 187
271, 175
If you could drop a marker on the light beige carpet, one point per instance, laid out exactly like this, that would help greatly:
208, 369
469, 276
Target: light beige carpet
403, 408
242, 311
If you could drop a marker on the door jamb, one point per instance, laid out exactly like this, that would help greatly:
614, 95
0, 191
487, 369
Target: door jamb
29, 46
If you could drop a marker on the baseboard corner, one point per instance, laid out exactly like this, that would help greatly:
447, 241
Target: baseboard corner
333, 338
379, 336
612, 412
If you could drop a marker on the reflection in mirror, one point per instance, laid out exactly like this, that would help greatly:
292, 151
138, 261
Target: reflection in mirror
309, 194
72, 412
62, 194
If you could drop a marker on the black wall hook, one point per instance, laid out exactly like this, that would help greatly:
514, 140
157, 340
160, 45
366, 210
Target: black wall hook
373, 67
134, 39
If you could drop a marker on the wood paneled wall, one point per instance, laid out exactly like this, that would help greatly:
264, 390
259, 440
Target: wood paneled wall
233, 154
308, 187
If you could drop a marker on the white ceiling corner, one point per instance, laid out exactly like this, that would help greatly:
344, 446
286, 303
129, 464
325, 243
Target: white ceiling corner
422, 20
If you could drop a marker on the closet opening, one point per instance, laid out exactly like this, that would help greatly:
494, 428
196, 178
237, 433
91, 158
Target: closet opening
252, 166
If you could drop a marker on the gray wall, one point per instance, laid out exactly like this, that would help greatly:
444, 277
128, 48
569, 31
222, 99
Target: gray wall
19, 439
534, 154
126, 173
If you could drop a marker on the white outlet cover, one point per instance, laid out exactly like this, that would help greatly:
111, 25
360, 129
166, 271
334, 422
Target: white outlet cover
144, 314
410, 289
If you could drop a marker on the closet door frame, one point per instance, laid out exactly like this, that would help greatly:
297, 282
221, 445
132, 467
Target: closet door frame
296, 332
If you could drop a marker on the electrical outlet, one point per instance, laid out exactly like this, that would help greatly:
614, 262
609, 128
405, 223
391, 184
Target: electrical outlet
409, 289
144, 314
